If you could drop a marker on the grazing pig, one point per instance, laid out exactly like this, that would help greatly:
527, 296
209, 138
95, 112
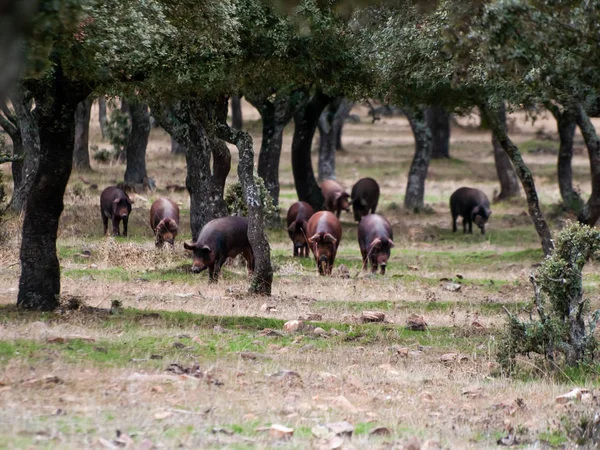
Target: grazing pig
325, 233
473, 205
375, 241
365, 195
164, 220
297, 220
115, 205
220, 239
336, 198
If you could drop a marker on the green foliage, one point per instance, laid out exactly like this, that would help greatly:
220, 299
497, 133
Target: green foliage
118, 127
236, 204
558, 289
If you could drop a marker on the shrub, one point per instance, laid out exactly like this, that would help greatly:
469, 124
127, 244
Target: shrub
560, 327
118, 128
236, 205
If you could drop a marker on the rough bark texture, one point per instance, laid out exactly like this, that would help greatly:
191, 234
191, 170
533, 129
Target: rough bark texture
509, 182
102, 116
10, 124
275, 115
305, 121
56, 99
236, 112
591, 211
526, 177
81, 153
135, 150
327, 141
187, 121
176, 148
566, 124
339, 120
414, 198
438, 121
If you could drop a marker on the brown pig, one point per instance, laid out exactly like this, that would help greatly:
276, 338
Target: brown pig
220, 239
336, 198
115, 205
297, 220
325, 233
164, 220
473, 205
365, 196
375, 241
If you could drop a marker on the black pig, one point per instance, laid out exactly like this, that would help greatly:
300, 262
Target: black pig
473, 205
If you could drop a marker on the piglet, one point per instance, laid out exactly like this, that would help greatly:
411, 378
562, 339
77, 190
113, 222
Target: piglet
297, 221
375, 241
325, 233
164, 220
336, 199
473, 205
115, 205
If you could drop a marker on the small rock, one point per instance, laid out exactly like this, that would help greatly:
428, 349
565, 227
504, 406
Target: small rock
219, 329
343, 403
292, 326
576, 394
314, 316
268, 308
414, 322
372, 316
343, 429
335, 332
163, 415
453, 287
320, 331
277, 431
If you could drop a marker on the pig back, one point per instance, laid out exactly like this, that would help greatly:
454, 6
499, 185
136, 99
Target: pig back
225, 234
371, 227
366, 189
299, 211
163, 208
463, 200
324, 222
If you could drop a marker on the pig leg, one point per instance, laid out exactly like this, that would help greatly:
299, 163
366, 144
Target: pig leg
115, 225
454, 223
470, 226
338, 212
212, 276
249, 257
295, 250
105, 222
464, 224
125, 220
364, 258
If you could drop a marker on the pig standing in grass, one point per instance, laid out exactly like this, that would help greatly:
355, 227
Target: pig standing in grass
115, 205
220, 239
325, 233
297, 221
164, 220
375, 241
473, 205
365, 196
336, 198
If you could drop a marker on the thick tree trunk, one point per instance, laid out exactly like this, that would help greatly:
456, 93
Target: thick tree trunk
187, 122
339, 120
591, 211
102, 116
509, 182
275, 115
526, 177
566, 124
438, 122
305, 121
327, 142
176, 148
414, 198
10, 124
135, 150
236, 112
56, 99
81, 153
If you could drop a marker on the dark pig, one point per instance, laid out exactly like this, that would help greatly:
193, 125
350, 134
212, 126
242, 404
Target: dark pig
375, 241
220, 239
325, 233
115, 205
336, 198
164, 220
473, 205
297, 220
364, 198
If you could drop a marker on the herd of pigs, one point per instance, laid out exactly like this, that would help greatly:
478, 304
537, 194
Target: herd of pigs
321, 231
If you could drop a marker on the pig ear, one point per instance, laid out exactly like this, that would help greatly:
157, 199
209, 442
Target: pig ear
189, 246
329, 238
116, 200
363, 202
205, 248
304, 225
475, 211
376, 243
391, 243
488, 212
171, 225
316, 238
131, 202
292, 227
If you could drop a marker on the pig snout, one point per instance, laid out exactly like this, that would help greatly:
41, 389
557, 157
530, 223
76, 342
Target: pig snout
383, 266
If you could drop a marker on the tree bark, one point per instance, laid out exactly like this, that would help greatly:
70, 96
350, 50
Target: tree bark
438, 121
188, 121
525, 175
339, 120
81, 153
591, 211
176, 148
10, 124
102, 116
56, 98
236, 112
566, 124
414, 198
305, 125
135, 150
509, 182
275, 115
327, 141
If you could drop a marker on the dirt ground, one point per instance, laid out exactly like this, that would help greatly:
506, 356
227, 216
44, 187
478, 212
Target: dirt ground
149, 355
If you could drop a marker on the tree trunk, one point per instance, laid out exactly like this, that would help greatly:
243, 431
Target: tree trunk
339, 120
438, 122
176, 148
305, 125
525, 175
102, 116
10, 124
509, 182
135, 150
81, 153
125, 106
236, 112
591, 211
56, 99
414, 198
566, 124
327, 142
187, 122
